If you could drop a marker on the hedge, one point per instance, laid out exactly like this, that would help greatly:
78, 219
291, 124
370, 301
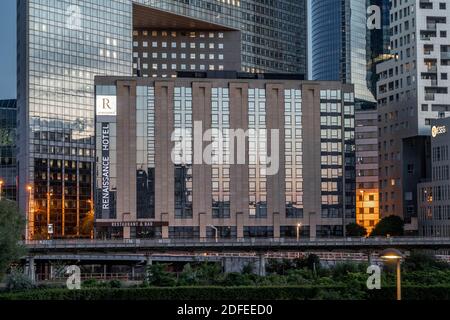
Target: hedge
234, 293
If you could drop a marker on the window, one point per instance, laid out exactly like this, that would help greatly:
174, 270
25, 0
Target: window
154, 44
174, 44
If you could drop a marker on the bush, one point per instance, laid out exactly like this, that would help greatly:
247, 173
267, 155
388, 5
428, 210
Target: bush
18, 281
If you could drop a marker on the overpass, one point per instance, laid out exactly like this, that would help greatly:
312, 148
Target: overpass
232, 253
234, 245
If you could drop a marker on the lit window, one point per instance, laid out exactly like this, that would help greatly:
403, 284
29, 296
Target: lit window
211, 56
135, 33
145, 44
202, 45
154, 66
114, 54
192, 45
154, 55
135, 54
202, 56
183, 67
183, 56
220, 67
164, 44
174, 55
183, 44
192, 55
202, 67
164, 33
145, 66
174, 34
154, 33
154, 44
174, 44
174, 66
145, 55
192, 34
108, 53
145, 33
164, 55
164, 66
135, 44
220, 34
220, 56
211, 45
202, 35
211, 34
192, 66
220, 45
211, 67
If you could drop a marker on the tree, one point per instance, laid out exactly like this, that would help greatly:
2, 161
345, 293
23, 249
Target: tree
423, 261
391, 225
11, 228
159, 277
355, 230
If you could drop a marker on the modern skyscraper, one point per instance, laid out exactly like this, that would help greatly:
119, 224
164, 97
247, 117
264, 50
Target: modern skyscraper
8, 172
344, 48
413, 89
160, 174
61, 46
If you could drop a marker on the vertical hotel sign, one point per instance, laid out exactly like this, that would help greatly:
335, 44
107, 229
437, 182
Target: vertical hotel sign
106, 106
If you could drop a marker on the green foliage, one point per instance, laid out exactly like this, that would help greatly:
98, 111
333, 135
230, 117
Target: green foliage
93, 283
16, 280
248, 268
159, 277
355, 230
11, 228
420, 261
391, 225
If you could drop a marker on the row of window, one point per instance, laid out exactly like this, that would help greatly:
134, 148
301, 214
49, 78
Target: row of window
175, 34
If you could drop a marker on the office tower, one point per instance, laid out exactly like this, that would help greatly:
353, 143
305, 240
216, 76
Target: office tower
434, 195
161, 174
412, 90
8, 172
61, 46
344, 48
367, 192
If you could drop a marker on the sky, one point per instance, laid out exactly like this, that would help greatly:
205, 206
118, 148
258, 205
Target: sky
7, 49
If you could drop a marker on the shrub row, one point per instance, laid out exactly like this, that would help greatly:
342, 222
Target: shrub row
233, 293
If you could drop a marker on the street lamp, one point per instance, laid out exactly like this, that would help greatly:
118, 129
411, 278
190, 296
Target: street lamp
394, 255
299, 225
216, 232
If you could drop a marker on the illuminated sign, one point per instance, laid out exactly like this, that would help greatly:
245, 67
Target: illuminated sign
106, 106
106, 169
435, 131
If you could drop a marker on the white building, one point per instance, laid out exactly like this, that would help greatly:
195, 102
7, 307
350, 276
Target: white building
411, 91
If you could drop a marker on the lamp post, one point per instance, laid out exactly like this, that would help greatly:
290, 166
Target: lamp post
397, 256
216, 230
299, 225
1, 189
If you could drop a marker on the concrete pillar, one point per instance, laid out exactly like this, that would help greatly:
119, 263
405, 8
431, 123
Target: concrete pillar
261, 265
30, 269
148, 262
369, 258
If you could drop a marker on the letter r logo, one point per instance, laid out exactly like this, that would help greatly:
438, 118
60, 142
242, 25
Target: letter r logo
106, 104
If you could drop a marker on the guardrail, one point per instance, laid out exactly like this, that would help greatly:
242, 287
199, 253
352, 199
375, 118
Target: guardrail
193, 244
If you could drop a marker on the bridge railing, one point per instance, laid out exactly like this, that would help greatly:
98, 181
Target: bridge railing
129, 243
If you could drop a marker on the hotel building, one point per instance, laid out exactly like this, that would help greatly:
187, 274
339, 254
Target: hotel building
152, 179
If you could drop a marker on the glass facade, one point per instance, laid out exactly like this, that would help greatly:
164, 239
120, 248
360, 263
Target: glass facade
8, 171
220, 124
257, 153
145, 152
293, 153
344, 48
62, 45
183, 127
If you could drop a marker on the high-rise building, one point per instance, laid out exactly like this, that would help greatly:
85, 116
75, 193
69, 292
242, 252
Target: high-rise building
8, 172
367, 190
225, 155
412, 90
61, 45
434, 195
347, 46
344, 48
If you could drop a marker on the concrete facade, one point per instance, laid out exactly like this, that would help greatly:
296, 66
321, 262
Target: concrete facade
310, 218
